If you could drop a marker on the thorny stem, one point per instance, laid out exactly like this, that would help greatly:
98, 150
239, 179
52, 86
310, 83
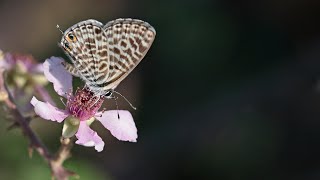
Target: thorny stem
55, 161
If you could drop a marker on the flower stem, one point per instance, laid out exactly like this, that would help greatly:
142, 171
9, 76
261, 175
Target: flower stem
55, 162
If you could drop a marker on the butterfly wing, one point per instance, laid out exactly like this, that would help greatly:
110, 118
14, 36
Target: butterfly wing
128, 42
104, 56
86, 45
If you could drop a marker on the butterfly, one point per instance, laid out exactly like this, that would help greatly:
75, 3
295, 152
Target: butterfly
103, 55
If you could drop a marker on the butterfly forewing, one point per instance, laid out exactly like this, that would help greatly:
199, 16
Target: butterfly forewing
104, 55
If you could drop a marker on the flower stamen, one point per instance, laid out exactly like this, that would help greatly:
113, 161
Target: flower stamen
84, 104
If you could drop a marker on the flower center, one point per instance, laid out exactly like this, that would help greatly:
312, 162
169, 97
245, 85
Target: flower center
84, 104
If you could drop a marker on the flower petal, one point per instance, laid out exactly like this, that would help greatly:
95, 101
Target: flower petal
56, 73
89, 138
123, 129
3, 62
43, 93
37, 68
47, 111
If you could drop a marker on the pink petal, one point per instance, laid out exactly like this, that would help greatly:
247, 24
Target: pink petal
47, 111
38, 68
44, 94
123, 129
4, 64
89, 138
56, 73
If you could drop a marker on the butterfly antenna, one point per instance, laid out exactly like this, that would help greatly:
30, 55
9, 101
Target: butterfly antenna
126, 100
115, 99
58, 27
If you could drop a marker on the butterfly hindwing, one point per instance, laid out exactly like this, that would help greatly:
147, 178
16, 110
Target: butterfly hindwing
128, 42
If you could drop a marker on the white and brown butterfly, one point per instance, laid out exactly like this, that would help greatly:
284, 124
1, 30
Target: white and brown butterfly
103, 55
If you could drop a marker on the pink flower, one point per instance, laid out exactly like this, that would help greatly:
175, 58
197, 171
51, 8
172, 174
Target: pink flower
81, 110
26, 62
24, 79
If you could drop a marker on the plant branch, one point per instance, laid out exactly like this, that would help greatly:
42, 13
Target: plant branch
55, 161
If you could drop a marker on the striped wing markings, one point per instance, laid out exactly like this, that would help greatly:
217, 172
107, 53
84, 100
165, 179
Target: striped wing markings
128, 42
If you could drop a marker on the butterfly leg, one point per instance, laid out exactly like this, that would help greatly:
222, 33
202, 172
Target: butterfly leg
71, 69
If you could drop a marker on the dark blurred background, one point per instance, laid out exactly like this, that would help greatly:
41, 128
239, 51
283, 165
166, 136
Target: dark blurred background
229, 90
